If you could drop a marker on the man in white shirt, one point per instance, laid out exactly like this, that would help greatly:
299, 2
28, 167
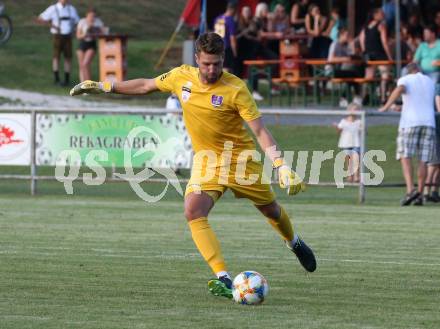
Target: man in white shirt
416, 128
62, 18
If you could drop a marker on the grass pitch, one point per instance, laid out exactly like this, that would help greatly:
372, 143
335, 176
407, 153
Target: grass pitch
117, 262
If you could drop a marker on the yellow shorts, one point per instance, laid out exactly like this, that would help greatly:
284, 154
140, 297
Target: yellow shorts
259, 193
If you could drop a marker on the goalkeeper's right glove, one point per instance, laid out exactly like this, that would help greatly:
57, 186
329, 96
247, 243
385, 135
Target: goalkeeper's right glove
288, 179
91, 87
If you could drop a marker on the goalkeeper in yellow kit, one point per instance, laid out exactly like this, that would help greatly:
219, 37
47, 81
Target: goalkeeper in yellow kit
215, 104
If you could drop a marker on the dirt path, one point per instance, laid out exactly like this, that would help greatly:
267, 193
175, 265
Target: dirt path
16, 97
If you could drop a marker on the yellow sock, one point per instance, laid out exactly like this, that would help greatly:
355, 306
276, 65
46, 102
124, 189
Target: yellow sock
282, 225
207, 243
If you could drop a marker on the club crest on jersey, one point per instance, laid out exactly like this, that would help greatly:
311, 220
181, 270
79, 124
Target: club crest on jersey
216, 100
186, 91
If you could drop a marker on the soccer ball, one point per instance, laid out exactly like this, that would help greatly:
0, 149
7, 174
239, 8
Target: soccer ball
179, 160
44, 121
62, 119
249, 288
165, 120
148, 118
44, 156
79, 116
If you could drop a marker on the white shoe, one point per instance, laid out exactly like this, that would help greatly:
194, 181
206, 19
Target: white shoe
257, 96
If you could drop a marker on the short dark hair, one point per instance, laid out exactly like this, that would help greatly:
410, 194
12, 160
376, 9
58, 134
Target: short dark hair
92, 10
342, 29
210, 43
413, 67
231, 5
336, 10
311, 7
430, 27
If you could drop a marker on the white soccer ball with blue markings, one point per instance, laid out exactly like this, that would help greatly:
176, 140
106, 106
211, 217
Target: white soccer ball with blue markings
44, 156
45, 121
249, 288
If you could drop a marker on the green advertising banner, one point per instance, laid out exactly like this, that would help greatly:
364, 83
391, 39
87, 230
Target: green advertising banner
154, 141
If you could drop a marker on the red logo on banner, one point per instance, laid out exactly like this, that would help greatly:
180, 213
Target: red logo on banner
6, 136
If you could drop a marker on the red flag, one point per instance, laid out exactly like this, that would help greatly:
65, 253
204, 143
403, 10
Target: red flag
249, 3
191, 13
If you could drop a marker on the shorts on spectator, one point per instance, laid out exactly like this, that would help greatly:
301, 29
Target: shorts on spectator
416, 141
435, 76
351, 150
62, 44
86, 45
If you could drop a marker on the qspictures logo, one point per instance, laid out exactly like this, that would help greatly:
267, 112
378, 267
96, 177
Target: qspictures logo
210, 166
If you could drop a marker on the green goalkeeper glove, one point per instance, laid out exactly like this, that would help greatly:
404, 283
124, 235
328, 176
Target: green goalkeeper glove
288, 178
91, 87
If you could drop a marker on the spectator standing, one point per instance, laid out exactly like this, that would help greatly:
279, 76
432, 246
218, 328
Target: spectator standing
428, 52
415, 27
315, 27
277, 28
374, 44
260, 17
62, 18
334, 25
412, 42
409, 39
342, 55
225, 26
433, 180
263, 19
406, 51
416, 135
298, 16
374, 37
350, 129
247, 38
280, 22
87, 30
256, 36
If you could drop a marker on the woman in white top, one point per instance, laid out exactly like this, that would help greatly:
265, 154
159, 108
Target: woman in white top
87, 31
350, 141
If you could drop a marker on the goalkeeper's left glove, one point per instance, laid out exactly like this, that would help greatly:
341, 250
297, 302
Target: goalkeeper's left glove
288, 178
91, 87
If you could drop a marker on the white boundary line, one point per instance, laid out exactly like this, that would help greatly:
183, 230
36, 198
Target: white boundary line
195, 255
